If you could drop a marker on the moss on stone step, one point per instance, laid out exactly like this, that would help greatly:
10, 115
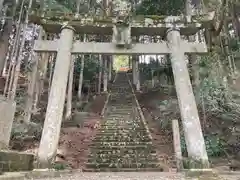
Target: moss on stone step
124, 170
15, 161
123, 165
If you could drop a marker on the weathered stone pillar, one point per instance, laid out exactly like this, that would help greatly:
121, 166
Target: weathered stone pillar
189, 113
105, 75
137, 75
81, 78
7, 111
52, 124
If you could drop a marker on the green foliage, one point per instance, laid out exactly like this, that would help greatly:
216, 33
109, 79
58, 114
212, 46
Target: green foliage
120, 61
214, 145
59, 166
160, 7
91, 66
234, 44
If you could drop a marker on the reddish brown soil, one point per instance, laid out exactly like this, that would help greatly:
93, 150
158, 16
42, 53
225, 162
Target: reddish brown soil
74, 142
98, 104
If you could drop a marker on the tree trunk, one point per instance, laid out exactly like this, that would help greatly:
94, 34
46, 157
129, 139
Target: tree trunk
100, 74
31, 88
236, 22
18, 65
69, 92
78, 2
81, 78
4, 43
36, 92
105, 74
51, 70
193, 59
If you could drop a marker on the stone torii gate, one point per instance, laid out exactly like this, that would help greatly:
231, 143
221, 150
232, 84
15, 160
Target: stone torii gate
170, 27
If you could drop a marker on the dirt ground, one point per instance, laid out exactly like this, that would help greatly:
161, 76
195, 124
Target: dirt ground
162, 138
74, 141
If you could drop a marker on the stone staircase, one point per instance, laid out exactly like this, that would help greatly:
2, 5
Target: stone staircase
123, 142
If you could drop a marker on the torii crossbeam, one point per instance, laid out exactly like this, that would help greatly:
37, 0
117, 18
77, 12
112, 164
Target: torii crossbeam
110, 48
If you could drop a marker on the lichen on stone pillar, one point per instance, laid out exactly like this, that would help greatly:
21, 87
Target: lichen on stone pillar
189, 113
52, 124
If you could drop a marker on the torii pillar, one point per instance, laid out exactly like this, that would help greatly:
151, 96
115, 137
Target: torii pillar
52, 124
189, 114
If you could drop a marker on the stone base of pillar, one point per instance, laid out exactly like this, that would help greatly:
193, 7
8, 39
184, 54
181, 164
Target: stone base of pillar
191, 163
7, 111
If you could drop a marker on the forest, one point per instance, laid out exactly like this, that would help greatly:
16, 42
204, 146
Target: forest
26, 76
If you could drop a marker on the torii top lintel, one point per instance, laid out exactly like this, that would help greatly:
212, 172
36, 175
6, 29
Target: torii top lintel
140, 25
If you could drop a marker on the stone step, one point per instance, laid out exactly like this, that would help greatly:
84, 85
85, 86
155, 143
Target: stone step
123, 118
122, 105
120, 155
120, 112
120, 120
118, 131
122, 143
120, 109
116, 125
119, 165
130, 134
116, 138
120, 116
124, 150
122, 136
124, 170
106, 133
121, 128
123, 160
115, 143
122, 124
125, 136
115, 128
127, 149
105, 140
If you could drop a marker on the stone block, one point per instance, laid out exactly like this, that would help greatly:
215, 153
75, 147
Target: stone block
47, 173
7, 111
15, 161
199, 172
